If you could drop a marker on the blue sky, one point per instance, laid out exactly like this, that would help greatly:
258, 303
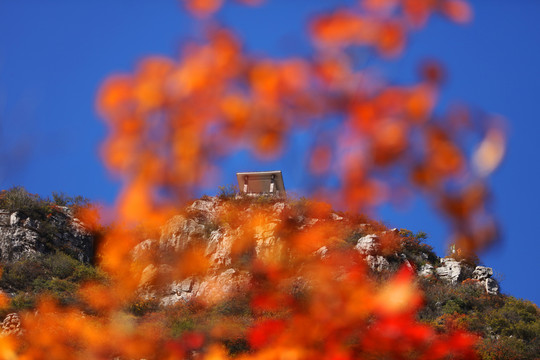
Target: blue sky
55, 54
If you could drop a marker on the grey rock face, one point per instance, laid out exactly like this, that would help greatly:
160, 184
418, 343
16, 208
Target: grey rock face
482, 273
426, 270
225, 284
450, 270
492, 287
203, 226
218, 248
210, 289
179, 232
454, 271
377, 263
368, 245
181, 291
207, 207
27, 237
14, 219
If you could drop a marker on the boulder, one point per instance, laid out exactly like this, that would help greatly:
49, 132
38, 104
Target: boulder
209, 289
368, 245
178, 291
268, 246
482, 273
14, 219
377, 263
450, 270
426, 270
492, 287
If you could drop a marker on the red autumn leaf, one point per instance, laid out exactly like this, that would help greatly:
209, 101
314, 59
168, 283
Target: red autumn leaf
265, 332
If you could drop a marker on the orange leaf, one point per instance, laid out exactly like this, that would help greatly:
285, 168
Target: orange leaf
265, 332
340, 28
203, 8
457, 10
114, 95
391, 39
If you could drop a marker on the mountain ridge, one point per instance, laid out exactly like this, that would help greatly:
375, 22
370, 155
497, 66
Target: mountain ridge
260, 252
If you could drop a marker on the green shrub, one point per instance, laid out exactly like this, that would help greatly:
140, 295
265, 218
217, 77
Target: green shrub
517, 318
57, 275
22, 301
62, 199
413, 246
504, 348
28, 205
453, 306
182, 325
228, 192
84, 272
60, 265
20, 274
239, 305
60, 289
352, 238
141, 307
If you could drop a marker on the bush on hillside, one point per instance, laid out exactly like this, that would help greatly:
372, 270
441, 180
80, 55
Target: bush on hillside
36, 207
57, 275
27, 204
414, 247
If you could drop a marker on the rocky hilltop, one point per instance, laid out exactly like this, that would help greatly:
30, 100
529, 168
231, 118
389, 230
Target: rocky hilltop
225, 265
205, 221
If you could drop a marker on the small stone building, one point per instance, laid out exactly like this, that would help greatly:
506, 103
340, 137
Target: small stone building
261, 183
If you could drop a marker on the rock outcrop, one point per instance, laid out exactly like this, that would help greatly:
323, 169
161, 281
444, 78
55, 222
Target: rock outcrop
202, 225
22, 237
483, 274
453, 271
368, 245
11, 325
492, 286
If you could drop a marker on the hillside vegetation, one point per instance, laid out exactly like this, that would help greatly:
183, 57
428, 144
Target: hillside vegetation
250, 308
